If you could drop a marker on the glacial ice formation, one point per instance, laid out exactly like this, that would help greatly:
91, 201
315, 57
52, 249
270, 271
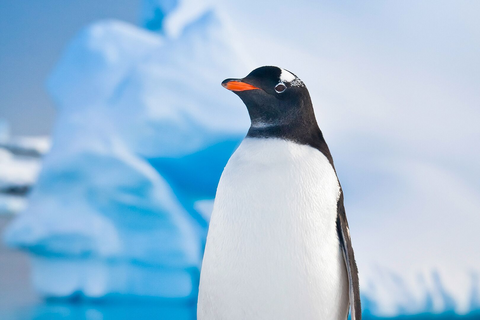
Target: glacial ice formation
142, 134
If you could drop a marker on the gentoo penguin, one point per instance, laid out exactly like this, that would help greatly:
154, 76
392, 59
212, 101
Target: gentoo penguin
278, 246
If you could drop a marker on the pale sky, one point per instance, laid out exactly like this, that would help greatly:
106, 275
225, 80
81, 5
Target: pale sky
32, 36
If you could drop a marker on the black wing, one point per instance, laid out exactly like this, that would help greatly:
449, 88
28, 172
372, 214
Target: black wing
352, 271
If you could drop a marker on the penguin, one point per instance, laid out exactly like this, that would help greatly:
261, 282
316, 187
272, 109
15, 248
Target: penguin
278, 245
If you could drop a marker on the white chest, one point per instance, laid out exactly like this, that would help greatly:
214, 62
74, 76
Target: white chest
272, 249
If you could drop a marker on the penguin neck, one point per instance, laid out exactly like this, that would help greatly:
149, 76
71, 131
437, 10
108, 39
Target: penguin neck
302, 129
298, 130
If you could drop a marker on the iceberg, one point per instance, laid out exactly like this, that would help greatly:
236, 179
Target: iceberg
143, 132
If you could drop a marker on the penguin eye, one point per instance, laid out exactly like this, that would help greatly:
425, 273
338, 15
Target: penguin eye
279, 88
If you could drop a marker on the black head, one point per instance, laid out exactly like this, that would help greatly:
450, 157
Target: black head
278, 103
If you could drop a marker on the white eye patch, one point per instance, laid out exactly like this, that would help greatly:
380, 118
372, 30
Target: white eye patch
286, 76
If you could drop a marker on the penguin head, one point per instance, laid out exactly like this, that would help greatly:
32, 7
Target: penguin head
273, 97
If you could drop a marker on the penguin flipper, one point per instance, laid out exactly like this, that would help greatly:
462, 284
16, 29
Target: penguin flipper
348, 255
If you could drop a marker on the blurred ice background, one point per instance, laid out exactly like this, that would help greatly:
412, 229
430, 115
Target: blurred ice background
119, 213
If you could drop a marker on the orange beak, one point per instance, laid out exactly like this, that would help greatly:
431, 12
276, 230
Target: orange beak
237, 85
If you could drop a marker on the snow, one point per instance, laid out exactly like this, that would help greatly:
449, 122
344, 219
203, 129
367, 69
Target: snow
143, 131
17, 171
34, 146
19, 167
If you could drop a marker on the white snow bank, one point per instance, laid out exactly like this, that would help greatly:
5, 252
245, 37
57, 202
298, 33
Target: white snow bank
19, 167
17, 171
34, 146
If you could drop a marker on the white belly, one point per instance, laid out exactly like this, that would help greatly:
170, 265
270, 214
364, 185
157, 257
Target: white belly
272, 249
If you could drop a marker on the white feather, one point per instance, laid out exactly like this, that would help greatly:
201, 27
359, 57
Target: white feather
286, 76
272, 250
262, 125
